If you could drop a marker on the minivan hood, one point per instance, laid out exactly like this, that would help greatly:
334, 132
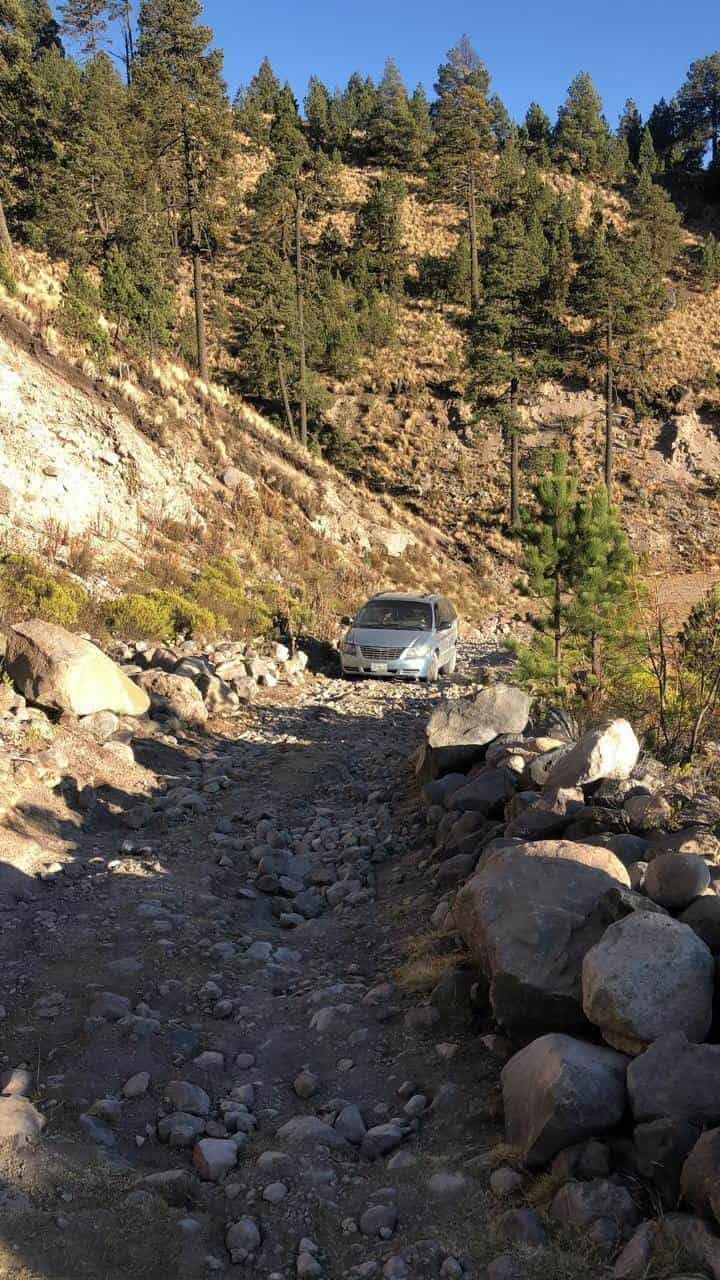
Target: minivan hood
385, 638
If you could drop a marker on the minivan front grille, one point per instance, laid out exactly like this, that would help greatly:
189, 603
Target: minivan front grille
377, 654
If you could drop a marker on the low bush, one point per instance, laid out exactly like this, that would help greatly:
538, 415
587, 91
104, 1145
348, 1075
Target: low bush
29, 591
160, 615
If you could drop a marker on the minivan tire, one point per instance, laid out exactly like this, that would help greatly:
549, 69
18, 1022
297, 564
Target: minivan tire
451, 664
433, 670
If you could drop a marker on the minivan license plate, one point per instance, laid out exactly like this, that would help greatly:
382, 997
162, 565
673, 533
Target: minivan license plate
378, 666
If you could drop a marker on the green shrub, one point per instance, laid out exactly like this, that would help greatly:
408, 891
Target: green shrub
28, 591
7, 275
160, 615
78, 315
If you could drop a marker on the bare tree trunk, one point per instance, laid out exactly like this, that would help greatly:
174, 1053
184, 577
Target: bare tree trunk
514, 481
609, 441
6, 244
557, 631
286, 399
472, 223
196, 251
514, 461
301, 318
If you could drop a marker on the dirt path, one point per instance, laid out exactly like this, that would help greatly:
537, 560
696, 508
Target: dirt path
274, 951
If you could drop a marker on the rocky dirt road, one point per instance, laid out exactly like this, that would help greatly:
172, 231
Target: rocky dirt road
252, 1049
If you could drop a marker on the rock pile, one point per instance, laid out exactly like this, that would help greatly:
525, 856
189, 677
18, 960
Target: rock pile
191, 681
583, 883
61, 671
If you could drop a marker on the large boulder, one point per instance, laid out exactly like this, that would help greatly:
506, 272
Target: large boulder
485, 794
647, 975
57, 669
676, 1079
676, 879
459, 730
528, 916
549, 815
610, 751
175, 696
557, 1091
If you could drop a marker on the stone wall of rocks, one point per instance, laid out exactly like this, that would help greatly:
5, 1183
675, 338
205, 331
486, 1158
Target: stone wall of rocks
583, 880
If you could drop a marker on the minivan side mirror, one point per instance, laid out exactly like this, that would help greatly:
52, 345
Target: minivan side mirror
346, 620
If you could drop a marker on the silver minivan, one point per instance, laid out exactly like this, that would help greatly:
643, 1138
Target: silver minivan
401, 635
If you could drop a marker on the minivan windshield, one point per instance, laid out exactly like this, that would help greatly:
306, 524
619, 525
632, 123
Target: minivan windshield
396, 615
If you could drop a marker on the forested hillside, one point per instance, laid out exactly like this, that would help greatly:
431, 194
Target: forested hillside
424, 290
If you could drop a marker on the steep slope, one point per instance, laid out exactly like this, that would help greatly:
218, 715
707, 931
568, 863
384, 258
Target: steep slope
407, 431
148, 464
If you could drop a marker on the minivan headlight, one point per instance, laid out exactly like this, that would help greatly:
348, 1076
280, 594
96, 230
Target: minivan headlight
348, 646
418, 649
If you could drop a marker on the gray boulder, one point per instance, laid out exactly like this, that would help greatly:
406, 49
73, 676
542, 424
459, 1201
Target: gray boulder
527, 919
549, 815
63, 671
485, 794
676, 1079
629, 849
559, 1090
174, 695
580, 1204
676, 879
647, 975
458, 731
610, 751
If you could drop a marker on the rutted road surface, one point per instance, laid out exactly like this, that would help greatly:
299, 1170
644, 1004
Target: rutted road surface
226, 1021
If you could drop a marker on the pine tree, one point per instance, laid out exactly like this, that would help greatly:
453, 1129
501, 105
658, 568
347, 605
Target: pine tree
359, 101
87, 22
665, 129
317, 113
463, 140
619, 290
601, 582
393, 136
536, 133
699, 110
179, 82
28, 136
580, 568
549, 563
581, 134
513, 328
658, 219
647, 161
255, 104
630, 129
420, 111
290, 193
379, 260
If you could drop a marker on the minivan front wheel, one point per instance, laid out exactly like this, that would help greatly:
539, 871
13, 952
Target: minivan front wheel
433, 670
451, 664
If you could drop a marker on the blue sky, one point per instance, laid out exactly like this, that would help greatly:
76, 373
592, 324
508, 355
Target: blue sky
631, 48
